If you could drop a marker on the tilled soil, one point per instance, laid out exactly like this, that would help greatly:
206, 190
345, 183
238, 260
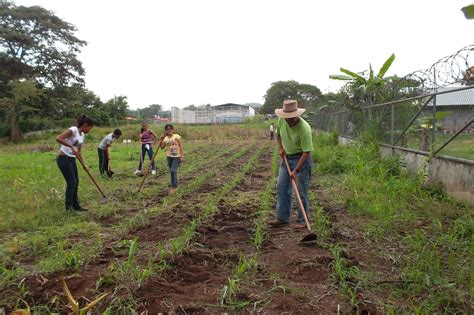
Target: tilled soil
294, 278
44, 288
196, 279
291, 278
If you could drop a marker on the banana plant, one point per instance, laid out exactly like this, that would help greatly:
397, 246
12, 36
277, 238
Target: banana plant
367, 86
364, 81
468, 11
427, 121
426, 124
75, 305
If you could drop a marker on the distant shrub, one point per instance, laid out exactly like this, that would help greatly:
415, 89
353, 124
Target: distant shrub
326, 139
257, 119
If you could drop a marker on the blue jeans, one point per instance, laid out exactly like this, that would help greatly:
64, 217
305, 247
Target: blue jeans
150, 156
103, 162
285, 189
67, 166
173, 164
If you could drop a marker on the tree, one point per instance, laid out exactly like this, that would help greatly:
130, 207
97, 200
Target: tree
191, 107
69, 101
307, 95
468, 78
35, 43
22, 91
117, 107
151, 110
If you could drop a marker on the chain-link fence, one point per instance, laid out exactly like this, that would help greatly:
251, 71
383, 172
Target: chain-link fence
441, 122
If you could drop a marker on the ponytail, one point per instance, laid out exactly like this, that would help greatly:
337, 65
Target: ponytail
83, 120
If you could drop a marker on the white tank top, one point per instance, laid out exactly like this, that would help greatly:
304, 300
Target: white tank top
76, 140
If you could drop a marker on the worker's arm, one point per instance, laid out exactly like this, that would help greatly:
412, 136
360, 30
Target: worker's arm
107, 153
161, 144
153, 134
300, 164
62, 139
280, 146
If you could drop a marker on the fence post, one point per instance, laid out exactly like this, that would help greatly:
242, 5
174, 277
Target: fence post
392, 125
433, 123
341, 128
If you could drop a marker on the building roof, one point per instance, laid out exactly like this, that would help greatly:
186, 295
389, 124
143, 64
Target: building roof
464, 98
230, 104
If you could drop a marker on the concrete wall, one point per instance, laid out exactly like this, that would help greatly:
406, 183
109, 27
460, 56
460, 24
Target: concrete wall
456, 175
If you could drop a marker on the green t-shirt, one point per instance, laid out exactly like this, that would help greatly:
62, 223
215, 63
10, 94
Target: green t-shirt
296, 139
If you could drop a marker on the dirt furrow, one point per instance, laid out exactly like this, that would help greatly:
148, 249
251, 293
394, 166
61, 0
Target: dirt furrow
162, 228
196, 278
44, 288
159, 183
292, 278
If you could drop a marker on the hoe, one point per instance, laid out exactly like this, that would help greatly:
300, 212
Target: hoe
104, 199
149, 166
311, 237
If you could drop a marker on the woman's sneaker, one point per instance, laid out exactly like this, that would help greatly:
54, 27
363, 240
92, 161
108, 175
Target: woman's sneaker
138, 172
153, 172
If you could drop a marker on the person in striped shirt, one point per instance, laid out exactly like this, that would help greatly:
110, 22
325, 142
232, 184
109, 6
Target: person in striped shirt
147, 137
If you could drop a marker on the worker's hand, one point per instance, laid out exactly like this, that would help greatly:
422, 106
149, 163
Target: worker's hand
282, 153
108, 158
293, 175
75, 151
162, 137
181, 159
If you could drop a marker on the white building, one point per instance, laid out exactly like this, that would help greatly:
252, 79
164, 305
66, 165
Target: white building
220, 114
182, 116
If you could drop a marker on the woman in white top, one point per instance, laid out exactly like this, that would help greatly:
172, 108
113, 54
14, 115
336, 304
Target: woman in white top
71, 142
272, 132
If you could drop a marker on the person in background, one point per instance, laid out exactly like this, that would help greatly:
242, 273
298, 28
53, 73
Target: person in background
295, 142
174, 154
104, 152
71, 141
272, 132
147, 136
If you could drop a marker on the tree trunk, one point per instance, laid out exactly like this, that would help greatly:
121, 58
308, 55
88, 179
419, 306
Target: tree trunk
15, 134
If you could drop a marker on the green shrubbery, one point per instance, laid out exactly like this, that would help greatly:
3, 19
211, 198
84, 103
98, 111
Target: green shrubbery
433, 231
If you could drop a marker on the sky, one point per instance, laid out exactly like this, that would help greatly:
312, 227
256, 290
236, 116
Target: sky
183, 52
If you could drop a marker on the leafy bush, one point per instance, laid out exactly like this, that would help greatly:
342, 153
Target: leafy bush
326, 139
257, 119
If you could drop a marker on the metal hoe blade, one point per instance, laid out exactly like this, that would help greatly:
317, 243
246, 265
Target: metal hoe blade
311, 237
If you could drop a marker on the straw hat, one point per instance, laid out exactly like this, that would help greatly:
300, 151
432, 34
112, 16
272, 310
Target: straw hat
290, 109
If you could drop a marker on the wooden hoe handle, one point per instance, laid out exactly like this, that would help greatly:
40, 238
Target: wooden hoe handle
295, 187
90, 175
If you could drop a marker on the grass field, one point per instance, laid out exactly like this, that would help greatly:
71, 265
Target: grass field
387, 242
460, 147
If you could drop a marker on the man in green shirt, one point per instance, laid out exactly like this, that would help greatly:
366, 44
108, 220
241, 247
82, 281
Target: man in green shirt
295, 141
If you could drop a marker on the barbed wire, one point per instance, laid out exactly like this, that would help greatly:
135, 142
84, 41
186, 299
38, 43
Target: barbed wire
454, 69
